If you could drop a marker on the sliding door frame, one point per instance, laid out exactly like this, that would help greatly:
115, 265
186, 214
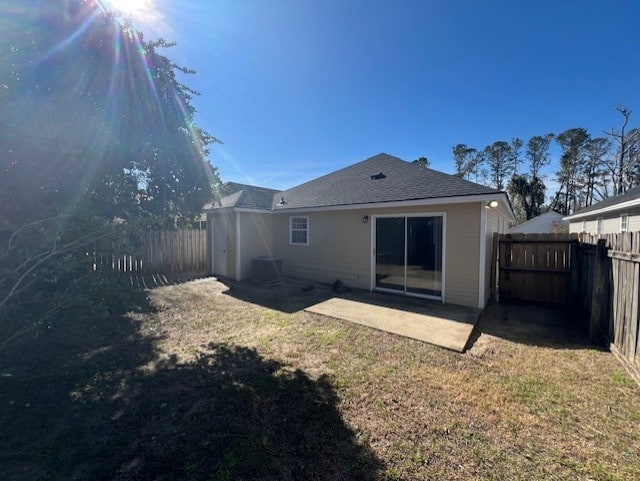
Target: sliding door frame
374, 223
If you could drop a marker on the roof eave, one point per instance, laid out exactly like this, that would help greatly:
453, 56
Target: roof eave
499, 196
604, 210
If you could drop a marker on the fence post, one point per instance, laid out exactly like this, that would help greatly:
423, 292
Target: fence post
495, 294
576, 274
598, 293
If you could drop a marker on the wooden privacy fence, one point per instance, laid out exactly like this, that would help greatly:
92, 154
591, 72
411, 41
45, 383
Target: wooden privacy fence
180, 251
598, 276
535, 267
610, 290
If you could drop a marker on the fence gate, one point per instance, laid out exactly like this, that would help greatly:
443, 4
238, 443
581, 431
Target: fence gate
535, 267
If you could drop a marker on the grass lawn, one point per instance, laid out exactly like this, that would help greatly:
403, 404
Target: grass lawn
225, 382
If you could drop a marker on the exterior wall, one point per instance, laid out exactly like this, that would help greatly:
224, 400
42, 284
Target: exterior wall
497, 222
340, 247
256, 234
223, 219
611, 222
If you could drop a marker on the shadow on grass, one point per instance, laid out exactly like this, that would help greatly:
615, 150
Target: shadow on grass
80, 402
290, 296
533, 324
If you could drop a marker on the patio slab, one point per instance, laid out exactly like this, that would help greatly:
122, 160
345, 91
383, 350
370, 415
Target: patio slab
443, 325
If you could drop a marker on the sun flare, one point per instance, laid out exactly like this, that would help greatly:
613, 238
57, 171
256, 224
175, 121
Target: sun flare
131, 7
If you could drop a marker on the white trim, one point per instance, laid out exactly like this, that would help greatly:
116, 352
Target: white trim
252, 211
238, 249
483, 256
291, 243
372, 284
626, 215
611, 208
463, 199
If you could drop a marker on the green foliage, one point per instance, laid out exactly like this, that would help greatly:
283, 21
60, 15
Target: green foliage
468, 162
538, 152
421, 161
97, 131
527, 194
502, 159
97, 120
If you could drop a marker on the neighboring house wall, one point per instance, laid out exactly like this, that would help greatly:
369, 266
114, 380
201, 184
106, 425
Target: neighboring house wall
256, 234
340, 247
610, 222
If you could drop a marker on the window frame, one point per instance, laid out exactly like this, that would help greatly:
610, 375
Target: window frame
292, 230
624, 216
599, 225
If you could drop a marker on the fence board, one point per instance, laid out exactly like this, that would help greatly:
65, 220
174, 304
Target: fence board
535, 267
165, 252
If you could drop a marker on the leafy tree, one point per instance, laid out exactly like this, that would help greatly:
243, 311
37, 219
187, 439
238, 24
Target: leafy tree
502, 159
538, 153
468, 162
593, 170
573, 143
96, 132
422, 161
527, 193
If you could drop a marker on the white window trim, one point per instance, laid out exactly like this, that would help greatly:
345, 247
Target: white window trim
626, 217
291, 230
584, 225
599, 225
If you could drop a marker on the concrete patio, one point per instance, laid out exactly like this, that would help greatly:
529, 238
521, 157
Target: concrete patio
444, 325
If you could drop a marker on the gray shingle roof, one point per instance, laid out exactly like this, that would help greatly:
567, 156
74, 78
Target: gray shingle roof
402, 181
631, 194
248, 196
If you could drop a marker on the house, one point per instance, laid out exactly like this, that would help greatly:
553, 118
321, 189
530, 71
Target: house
620, 213
548, 223
381, 224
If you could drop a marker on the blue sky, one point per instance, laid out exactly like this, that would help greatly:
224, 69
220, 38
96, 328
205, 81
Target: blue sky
299, 88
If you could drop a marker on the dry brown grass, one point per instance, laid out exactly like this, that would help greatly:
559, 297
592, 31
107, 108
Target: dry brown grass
531, 400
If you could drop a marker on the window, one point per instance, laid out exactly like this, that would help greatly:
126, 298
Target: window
299, 230
584, 226
624, 222
599, 226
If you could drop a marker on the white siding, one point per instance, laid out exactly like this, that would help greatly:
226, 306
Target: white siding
611, 222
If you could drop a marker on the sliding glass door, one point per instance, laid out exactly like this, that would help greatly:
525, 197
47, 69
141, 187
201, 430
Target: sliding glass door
408, 255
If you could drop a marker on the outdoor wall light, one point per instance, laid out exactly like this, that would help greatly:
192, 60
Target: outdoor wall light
365, 219
493, 203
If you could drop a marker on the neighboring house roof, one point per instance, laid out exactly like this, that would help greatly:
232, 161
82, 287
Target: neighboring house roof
549, 222
248, 196
382, 178
630, 198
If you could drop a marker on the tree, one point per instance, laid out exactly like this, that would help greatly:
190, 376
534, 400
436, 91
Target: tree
538, 153
96, 132
468, 162
592, 170
422, 161
624, 165
502, 159
620, 167
96, 120
528, 194
573, 143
